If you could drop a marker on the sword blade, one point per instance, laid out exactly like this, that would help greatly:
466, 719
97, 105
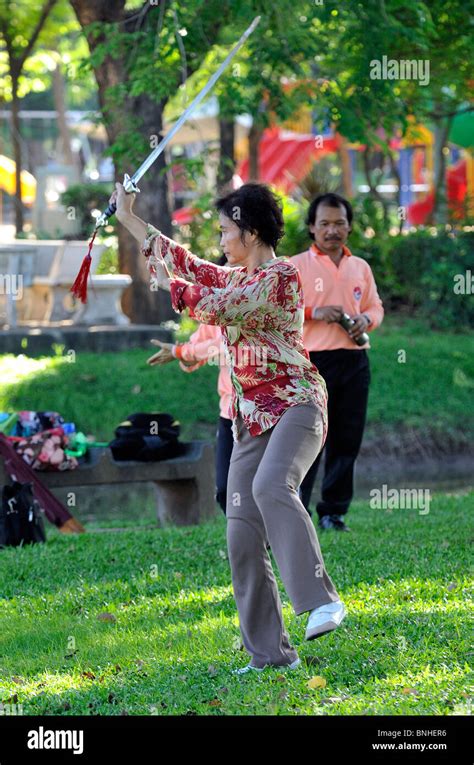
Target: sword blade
202, 94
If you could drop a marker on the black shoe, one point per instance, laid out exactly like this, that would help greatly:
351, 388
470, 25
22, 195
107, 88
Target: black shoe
332, 522
339, 522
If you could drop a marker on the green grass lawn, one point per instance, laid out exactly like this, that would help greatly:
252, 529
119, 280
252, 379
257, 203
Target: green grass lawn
429, 389
172, 638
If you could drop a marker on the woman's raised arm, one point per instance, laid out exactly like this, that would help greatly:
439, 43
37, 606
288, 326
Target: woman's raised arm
178, 262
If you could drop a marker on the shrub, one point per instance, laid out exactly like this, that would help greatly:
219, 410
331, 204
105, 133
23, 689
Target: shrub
108, 263
428, 264
85, 197
296, 238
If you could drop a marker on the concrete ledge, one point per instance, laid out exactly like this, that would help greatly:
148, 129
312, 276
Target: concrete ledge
81, 338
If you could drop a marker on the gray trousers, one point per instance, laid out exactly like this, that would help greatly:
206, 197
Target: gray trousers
263, 506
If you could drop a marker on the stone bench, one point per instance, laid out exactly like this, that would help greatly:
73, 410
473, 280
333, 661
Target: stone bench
48, 299
185, 485
104, 291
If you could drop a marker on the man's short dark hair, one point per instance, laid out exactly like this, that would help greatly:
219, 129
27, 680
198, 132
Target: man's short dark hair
331, 200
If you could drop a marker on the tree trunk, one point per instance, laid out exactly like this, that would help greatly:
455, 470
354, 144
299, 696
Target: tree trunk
142, 305
439, 211
227, 154
16, 141
375, 194
58, 94
346, 168
396, 174
255, 135
139, 302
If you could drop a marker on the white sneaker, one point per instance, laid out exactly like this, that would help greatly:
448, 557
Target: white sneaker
244, 670
325, 619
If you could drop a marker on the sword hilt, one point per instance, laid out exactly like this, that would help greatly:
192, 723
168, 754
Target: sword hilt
130, 188
102, 220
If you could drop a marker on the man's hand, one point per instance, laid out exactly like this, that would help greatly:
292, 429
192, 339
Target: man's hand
361, 324
162, 357
328, 313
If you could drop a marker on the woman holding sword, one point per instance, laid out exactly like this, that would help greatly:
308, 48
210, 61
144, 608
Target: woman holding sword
278, 410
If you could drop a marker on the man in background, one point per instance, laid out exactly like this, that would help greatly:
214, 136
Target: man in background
336, 282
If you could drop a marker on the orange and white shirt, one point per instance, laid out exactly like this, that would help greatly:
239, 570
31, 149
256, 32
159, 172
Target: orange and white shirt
351, 285
206, 345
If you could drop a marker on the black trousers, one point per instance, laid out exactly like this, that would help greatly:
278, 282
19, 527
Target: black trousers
347, 376
224, 445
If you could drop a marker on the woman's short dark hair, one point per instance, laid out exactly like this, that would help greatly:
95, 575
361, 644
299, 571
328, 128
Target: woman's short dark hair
254, 208
331, 200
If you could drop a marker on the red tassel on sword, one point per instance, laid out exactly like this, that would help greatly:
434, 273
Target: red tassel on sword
79, 288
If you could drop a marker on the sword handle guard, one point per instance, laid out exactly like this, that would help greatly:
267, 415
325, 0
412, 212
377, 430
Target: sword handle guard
130, 188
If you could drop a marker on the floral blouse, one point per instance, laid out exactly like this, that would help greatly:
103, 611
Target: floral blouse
261, 316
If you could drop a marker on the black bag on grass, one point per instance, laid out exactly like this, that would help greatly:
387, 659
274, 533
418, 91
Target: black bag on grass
21, 517
147, 437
